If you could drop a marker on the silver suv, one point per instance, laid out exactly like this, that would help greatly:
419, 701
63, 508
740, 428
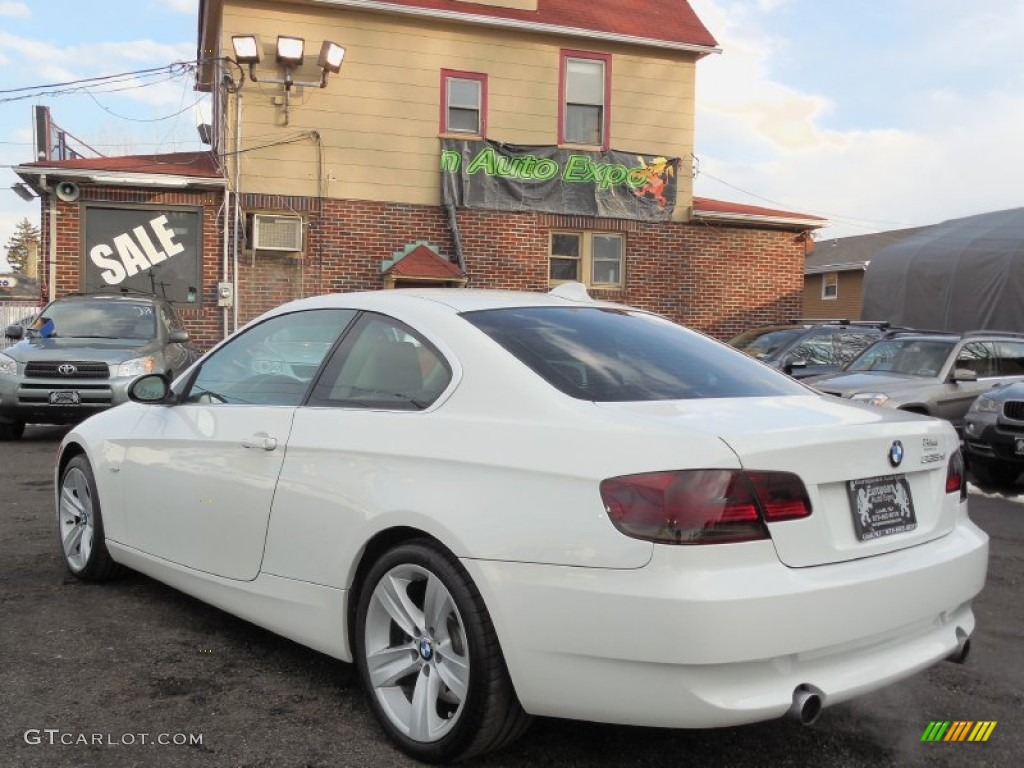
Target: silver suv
79, 354
934, 373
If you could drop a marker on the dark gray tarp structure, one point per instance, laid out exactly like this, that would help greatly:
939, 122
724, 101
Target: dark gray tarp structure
960, 275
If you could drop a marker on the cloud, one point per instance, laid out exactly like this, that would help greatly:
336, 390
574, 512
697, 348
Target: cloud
14, 9
184, 6
827, 136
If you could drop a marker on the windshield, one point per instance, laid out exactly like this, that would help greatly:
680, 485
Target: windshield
913, 357
101, 319
616, 355
763, 344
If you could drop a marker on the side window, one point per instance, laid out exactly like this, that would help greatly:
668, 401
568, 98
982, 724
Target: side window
1011, 358
272, 363
463, 102
979, 357
817, 347
851, 341
382, 364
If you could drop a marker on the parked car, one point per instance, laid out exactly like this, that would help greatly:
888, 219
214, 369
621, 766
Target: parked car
809, 348
933, 373
79, 354
994, 435
506, 504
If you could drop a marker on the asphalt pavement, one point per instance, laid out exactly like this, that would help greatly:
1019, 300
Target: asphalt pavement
133, 673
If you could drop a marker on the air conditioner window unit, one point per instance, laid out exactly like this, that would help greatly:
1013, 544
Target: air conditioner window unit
276, 233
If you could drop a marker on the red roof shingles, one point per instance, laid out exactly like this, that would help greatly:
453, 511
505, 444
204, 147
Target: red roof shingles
423, 262
670, 21
707, 205
198, 164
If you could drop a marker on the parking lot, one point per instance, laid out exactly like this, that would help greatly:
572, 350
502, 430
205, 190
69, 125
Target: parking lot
132, 673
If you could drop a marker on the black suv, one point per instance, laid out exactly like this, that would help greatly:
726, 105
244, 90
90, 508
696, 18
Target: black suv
994, 435
79, 354
805, 348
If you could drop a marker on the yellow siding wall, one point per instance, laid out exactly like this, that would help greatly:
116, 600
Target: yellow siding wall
847, 301
378, 118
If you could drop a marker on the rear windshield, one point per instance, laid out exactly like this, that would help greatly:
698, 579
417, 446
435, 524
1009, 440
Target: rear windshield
615, 355
764, 343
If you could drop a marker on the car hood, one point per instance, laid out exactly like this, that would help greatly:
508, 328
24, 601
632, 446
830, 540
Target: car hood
828, 443
847, 384
98, 350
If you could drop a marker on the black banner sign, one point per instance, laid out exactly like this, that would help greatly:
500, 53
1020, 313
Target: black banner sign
609, 184
156, 250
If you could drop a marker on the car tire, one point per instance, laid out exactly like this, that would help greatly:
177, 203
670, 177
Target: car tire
989, 472
80, 524
11, 430
434, 673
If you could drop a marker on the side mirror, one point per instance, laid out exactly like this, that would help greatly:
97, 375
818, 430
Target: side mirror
15, 332
149, 388
177, 336
793, 362
964, 374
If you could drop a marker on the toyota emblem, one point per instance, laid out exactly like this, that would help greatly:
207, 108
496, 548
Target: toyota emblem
67, 369
896, 453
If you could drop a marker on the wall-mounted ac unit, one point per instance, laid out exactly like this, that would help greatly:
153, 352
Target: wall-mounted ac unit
276, 233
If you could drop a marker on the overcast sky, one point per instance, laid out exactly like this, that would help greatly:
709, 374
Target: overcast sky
877, 114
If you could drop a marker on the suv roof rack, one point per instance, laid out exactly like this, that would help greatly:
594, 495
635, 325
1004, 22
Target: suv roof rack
920, 332
1012, 334
113, 291
839, 321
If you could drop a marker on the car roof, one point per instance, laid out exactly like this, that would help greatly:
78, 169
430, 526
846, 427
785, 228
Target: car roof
109, 297
457, 299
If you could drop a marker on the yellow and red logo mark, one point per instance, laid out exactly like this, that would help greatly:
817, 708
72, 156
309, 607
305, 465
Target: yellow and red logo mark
958, 730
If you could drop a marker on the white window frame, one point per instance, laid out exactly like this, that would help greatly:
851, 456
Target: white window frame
827, 284
586, 259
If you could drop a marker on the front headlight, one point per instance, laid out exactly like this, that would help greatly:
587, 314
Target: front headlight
986, 404
871, 398
134, 367
8, 366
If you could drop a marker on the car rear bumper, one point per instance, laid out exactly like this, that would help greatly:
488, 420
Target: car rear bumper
718, 636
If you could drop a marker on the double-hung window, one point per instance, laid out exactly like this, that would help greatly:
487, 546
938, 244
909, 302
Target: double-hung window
463, 102
830, 285
583, 105
594, 258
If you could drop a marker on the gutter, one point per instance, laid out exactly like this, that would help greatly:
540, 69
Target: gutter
120, 178
846, 266
522, 26
754, 219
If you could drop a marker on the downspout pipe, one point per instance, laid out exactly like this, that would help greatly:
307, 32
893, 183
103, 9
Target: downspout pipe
237, 208
51, 202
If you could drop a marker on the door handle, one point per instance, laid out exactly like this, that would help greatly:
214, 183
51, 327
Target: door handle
260, 440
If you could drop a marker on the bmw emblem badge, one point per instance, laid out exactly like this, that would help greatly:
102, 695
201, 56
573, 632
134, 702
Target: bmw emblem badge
896, 453
425, 650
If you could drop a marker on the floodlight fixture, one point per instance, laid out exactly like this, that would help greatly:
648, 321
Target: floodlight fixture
247, 49
290, 50
23, 191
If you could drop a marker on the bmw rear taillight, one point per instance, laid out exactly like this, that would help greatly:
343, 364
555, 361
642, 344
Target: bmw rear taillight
703, 506
956, 482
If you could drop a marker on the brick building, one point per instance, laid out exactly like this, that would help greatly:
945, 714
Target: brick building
496, 144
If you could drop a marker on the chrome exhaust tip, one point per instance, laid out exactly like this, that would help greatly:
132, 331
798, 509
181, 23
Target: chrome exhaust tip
807, 704
963, 647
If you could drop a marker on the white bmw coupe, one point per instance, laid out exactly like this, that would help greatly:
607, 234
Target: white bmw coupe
504, 504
